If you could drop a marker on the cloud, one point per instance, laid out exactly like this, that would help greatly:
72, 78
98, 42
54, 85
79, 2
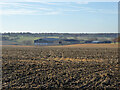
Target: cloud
15, 8
43, 1
93, 10
52, 13
26, 12
15, 4
23, 5
16, 12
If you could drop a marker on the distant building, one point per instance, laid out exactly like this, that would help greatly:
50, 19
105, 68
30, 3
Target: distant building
107, 41
88, 42
96, 42
55, 41
70, 41
46, 41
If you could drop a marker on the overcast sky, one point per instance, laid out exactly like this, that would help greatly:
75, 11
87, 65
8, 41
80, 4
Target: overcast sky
55, 17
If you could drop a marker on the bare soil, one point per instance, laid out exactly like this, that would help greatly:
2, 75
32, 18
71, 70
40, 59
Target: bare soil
56, 67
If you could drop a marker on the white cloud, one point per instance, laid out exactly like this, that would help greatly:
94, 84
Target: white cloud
15, 12
15, 4
33, 9
15, 8
27, 12
59, 1
52, 13
22, 5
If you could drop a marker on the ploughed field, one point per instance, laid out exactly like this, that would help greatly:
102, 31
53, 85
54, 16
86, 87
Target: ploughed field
57, 67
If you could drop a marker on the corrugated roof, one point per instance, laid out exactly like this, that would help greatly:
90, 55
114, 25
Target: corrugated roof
50, 39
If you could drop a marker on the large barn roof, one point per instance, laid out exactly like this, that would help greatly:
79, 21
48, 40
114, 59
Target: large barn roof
70, 40
46, 40
50, 39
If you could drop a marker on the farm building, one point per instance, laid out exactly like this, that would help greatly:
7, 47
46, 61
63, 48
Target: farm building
101, 42
46, 41
69, 41
90, 41
96, 42
55, 41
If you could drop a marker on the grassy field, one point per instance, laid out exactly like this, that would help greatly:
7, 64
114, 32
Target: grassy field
61, 66
20, 40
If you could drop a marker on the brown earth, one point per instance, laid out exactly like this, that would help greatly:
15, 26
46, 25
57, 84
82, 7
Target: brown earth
56, 67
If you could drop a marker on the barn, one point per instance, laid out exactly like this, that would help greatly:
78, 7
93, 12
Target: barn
69, 41
55, 41
46, 41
